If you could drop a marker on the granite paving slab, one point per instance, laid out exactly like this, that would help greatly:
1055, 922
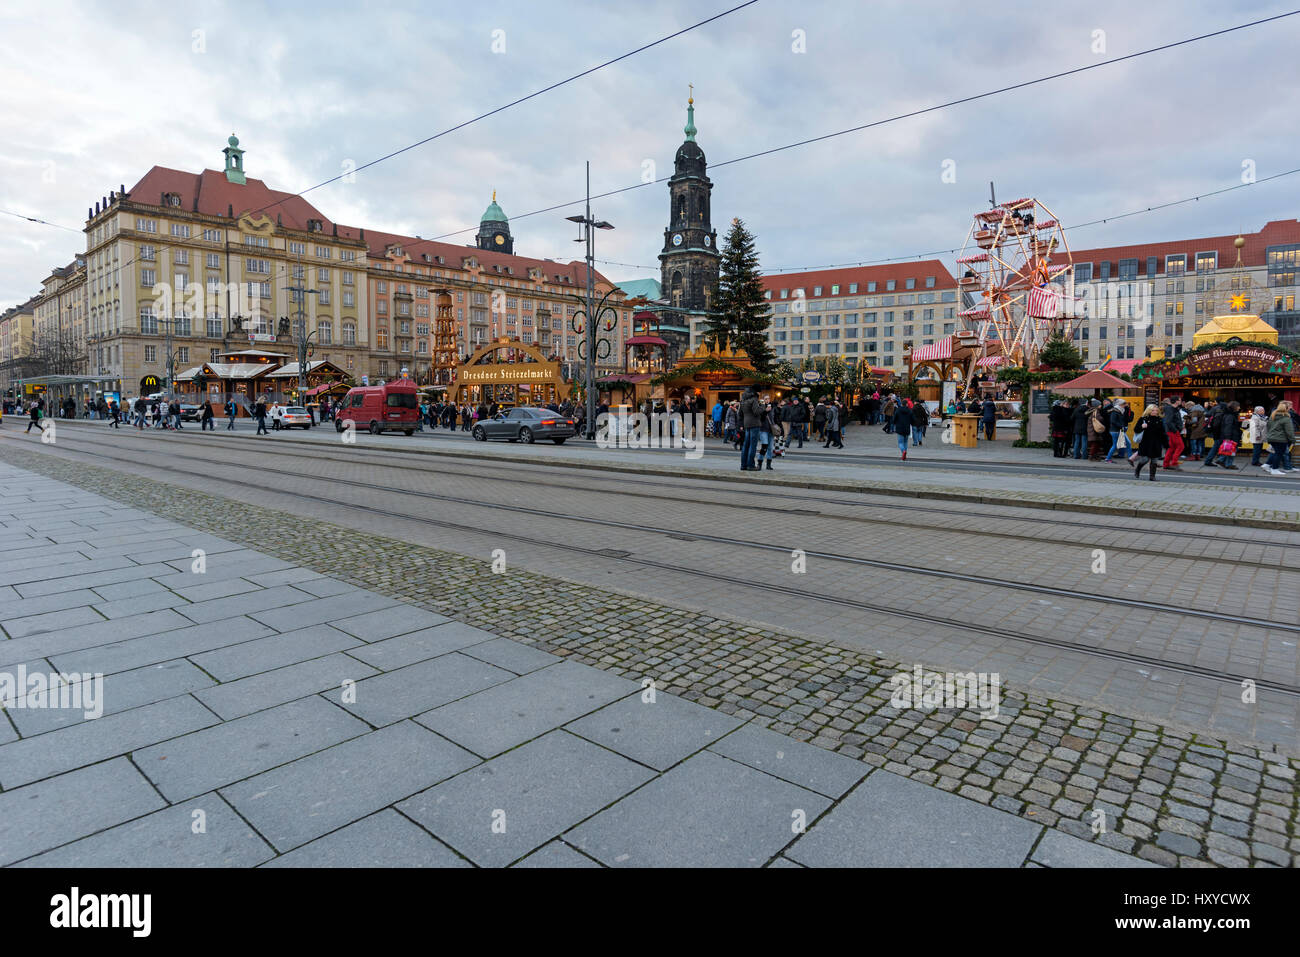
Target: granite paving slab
659, 734
708, 811
204, 832
891, 821
526, 707
504, 809
386, 839
312, 796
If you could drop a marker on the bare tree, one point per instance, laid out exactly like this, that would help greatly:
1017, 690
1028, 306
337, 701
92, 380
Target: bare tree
57, 350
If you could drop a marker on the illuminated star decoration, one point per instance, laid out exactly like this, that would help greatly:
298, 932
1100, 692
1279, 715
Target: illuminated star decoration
1238, 302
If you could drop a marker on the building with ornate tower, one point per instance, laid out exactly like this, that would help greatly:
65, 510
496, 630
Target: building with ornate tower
494, 230
689, 261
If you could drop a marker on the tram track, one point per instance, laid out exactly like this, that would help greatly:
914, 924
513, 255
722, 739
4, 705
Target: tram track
317, 453
625, 558
1225, 533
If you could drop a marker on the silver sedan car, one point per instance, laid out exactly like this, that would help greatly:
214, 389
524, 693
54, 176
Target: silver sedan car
525, 424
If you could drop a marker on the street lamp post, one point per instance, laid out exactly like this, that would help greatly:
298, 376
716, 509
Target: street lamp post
592, 312
300, 330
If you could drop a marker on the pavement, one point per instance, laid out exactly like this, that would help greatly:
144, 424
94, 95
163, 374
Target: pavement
258, 712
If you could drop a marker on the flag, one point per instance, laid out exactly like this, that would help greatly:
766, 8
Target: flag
1044, 302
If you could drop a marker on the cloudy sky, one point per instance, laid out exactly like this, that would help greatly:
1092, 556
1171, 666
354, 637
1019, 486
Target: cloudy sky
92, 95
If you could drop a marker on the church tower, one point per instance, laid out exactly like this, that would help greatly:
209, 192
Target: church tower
689, 261
494, 229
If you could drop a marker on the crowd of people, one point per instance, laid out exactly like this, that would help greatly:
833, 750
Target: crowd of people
762, 430
1097, 429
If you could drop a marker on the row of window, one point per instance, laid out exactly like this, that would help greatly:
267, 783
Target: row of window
890, 286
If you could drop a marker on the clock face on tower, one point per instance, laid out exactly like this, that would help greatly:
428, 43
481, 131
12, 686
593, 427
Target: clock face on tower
499, 239
677, 239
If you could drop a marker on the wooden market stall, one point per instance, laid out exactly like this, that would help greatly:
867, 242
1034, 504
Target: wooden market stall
511, 373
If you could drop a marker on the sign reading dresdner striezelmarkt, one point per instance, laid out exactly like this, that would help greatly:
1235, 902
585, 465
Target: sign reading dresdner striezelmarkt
1229, 364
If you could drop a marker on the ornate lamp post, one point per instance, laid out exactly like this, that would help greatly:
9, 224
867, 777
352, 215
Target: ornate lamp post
591, 311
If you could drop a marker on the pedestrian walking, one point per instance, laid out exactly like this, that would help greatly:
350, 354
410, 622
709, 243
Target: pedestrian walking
901, 426
751, 421
1172, 413
832, 425
205, 417
1280, 435
230, 415
1229, 437
1118, 424
1257, 429
1151, 446
990, 418
920, 419
259, 413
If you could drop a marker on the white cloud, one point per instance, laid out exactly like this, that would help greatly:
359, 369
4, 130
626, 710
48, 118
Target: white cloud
105, 92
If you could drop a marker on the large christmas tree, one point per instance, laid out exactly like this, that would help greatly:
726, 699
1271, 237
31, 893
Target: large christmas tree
739, 313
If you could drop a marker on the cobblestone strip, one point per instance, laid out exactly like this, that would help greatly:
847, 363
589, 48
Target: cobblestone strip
1173, 797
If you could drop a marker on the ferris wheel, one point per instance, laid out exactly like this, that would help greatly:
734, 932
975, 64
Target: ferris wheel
1017, 279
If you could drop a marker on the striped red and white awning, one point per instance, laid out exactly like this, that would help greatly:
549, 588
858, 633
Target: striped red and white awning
1046, 224
974, 313
940, 350
977, 258
989, 361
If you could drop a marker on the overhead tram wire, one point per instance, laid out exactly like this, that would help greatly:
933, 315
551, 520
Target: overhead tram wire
817, 139
460, 126
942, 252
901, 116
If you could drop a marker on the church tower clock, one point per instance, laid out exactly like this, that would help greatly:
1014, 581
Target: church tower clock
689, 261
494, 229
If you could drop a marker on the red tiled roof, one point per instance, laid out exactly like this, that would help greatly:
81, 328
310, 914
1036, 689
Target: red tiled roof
211, 194
452, 256
1274, 233
862, 275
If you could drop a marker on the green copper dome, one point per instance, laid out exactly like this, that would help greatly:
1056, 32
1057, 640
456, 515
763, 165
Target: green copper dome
494, 213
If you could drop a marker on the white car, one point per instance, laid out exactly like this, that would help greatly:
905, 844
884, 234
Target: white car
289, 416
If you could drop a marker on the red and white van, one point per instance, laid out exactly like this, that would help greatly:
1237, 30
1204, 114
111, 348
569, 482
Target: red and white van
392, 407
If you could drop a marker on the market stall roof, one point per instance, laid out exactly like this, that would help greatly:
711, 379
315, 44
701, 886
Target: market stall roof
228, 370
646, 341
290, 370
1091, 382
940, 350
990, 361
1120, 366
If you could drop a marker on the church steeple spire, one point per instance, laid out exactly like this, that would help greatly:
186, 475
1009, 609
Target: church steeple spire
690, 130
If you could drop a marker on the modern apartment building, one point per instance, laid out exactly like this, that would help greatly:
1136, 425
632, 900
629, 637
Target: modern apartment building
863, 313
1156, 295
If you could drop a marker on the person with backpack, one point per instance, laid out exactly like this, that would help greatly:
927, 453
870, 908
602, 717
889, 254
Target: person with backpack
920, 419
1151, 428
901, 426
831, 427
230, 415
1213, 427
1172, 413
34, 410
